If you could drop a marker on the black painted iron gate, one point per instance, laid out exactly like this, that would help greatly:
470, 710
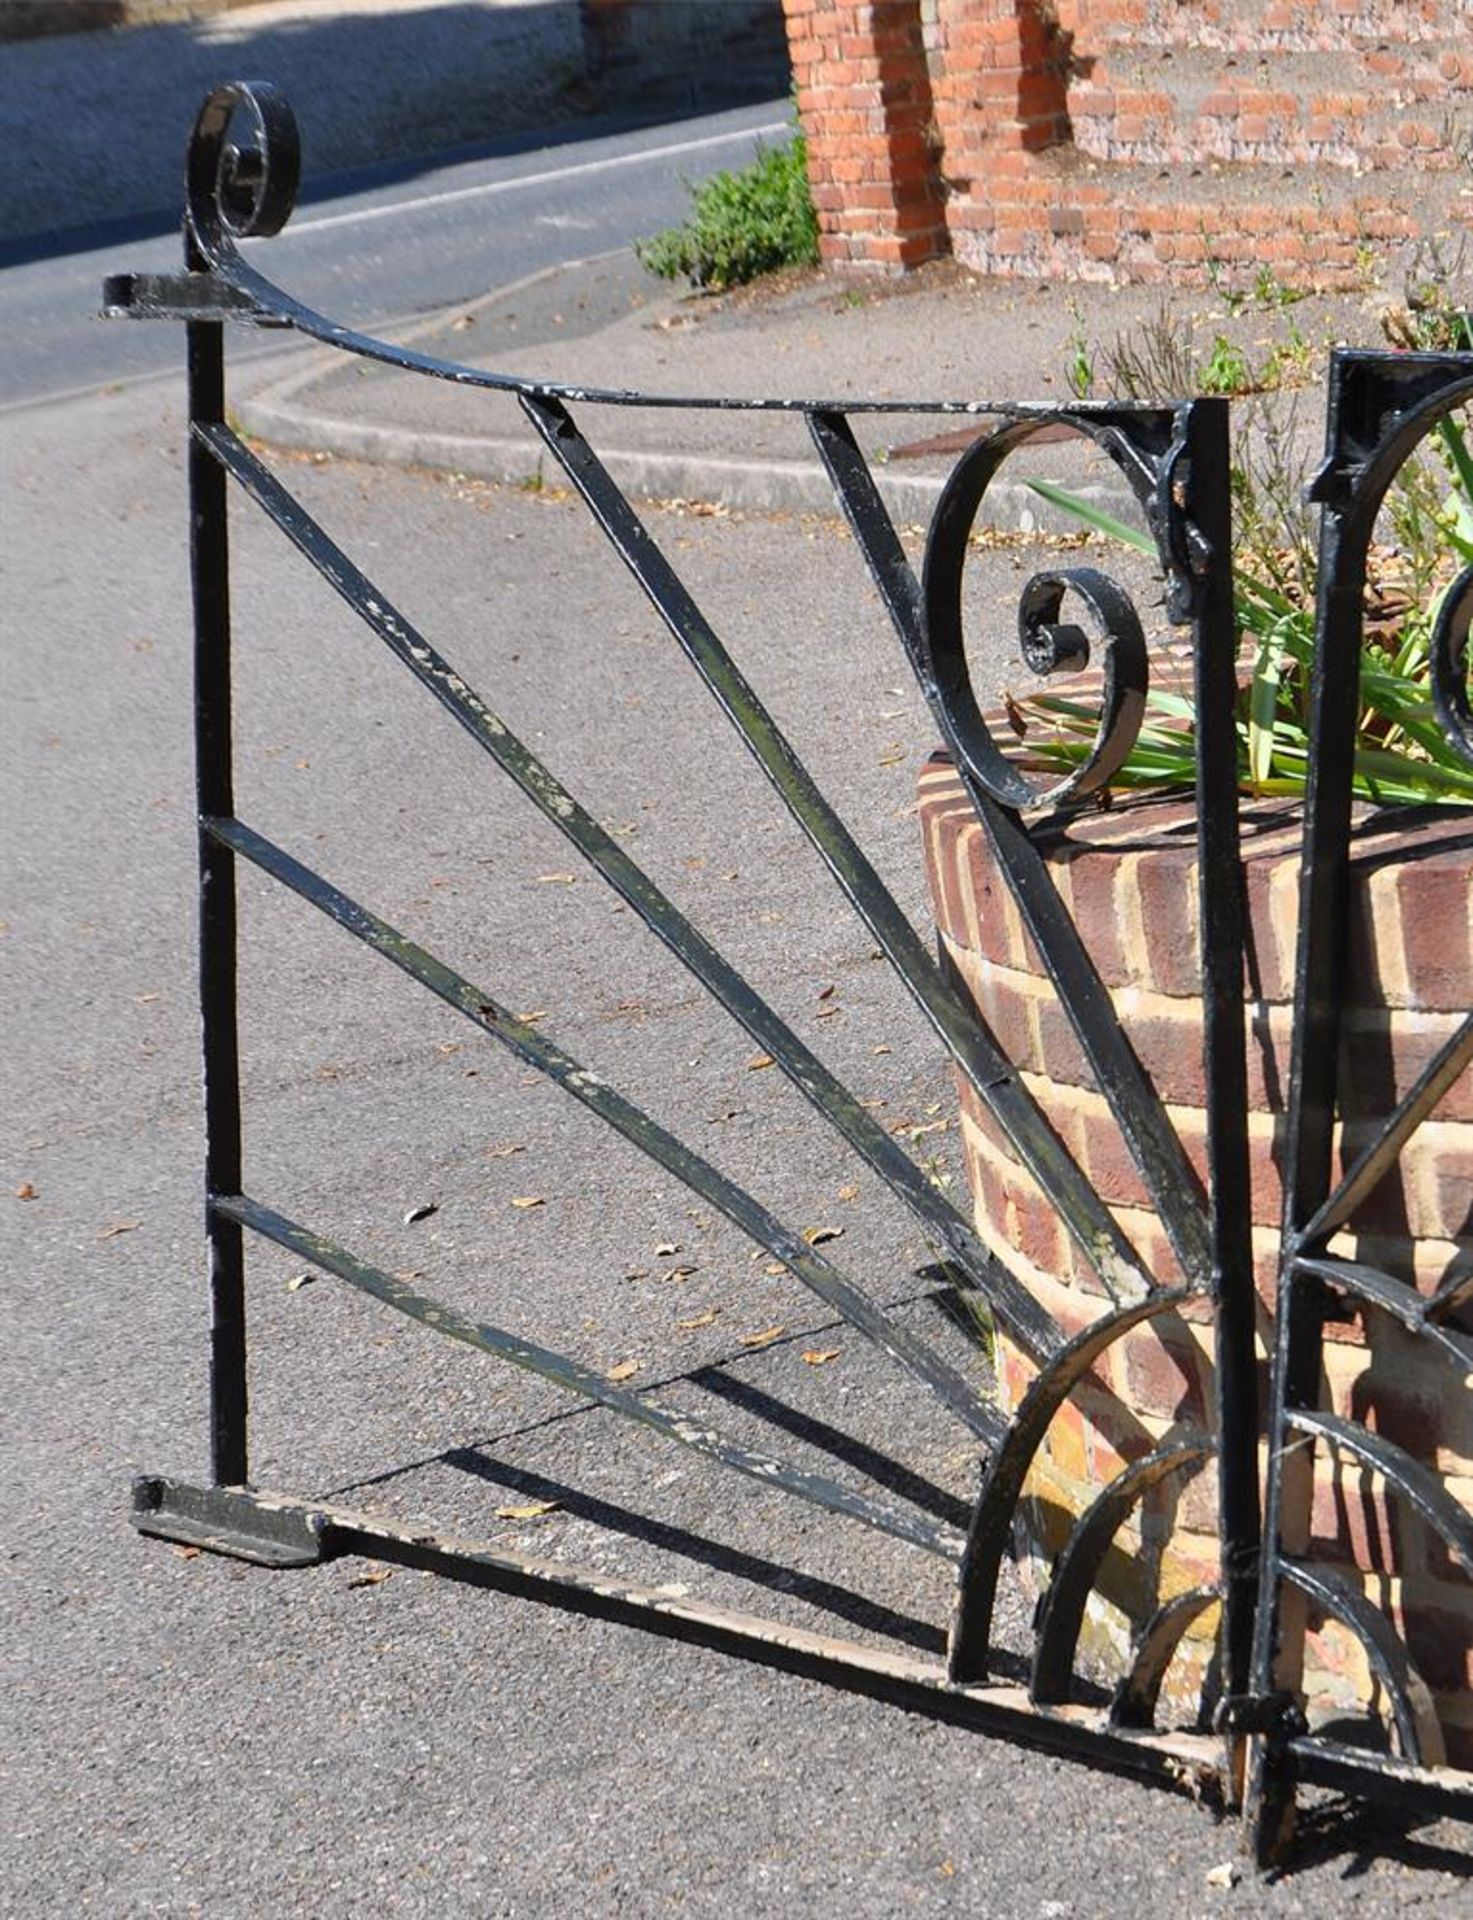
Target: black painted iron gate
242, 175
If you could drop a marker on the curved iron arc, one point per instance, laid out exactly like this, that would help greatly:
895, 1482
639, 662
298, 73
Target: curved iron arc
992, 1518
1449, 664
1414, 1311
1419, 1485
1134, 1702
1061, 1614
1413, 1712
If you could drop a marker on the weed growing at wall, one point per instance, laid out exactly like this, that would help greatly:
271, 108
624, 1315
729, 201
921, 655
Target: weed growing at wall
742, 224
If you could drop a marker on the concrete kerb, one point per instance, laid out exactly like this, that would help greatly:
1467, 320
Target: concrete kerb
288, 414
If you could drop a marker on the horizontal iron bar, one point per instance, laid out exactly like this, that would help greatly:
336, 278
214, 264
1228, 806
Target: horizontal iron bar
1033, 1329
229, 1520
179, 296
804, 1262
574, 1378
1434, 1792
1182, 1761
219, 250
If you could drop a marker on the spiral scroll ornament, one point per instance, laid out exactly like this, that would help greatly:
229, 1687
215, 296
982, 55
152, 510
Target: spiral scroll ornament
1050, 644
1450, 664
244, 166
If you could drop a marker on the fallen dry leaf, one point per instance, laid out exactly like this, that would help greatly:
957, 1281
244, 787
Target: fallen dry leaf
533, 1510
187, 1553
375, 1577
774, 1268
666, 1248
526, 1200
1227, 1875
625, 1370
505, 1151
679, 1273
815, 1236
298, 1281
699, 1320
119, 1226
763, 1339
826, 993
819, 1356
557, 879
530, 1018
851, 1192
422, 1212
758, 1061
882, 1048
25, 1191
637, 1273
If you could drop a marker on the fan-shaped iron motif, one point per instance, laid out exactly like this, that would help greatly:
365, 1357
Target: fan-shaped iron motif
243, 167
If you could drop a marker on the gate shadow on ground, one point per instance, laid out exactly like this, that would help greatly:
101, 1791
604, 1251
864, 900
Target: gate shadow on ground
824, 1595
842, 1447
1364, 1837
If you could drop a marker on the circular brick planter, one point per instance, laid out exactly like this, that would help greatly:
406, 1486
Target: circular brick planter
1129, 877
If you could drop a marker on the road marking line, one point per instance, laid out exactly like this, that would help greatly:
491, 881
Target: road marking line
531, 179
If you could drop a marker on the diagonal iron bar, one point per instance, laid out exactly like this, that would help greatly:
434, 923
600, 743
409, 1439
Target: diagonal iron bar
573, 1378
986, 1067
1029, 1323
804, 1262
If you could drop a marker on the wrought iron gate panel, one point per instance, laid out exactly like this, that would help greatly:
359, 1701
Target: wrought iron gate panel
242, 176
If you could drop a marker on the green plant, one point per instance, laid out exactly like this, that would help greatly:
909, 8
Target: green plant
742, 224
1402, 755
1079, 369
1225, 369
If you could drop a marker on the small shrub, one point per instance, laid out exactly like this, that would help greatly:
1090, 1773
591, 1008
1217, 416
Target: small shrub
742, 224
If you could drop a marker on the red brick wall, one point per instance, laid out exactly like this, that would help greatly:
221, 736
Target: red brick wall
1136, 139
864, 95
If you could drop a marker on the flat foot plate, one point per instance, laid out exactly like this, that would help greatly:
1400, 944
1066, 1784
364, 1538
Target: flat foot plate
230, 1520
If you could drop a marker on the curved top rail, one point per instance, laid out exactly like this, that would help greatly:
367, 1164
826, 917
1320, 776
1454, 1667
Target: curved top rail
241, 192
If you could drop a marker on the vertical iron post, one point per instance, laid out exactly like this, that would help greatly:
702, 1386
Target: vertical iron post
209, 555
1314, 1061
1221, 915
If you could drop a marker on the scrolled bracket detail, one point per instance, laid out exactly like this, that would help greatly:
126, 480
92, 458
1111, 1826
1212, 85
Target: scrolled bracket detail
1050, 644
242, 188
1449, 664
